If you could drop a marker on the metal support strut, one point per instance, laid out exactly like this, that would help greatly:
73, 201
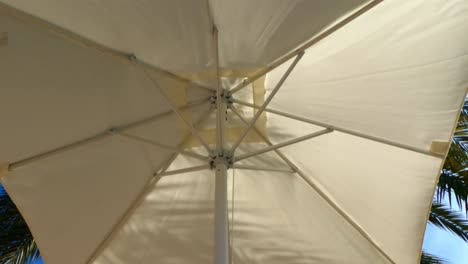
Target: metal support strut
220, 163
221, 213
221, 234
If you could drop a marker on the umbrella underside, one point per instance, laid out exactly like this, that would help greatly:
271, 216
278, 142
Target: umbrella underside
117, 116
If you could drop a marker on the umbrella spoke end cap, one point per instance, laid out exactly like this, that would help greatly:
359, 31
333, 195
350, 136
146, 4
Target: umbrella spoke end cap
4, 169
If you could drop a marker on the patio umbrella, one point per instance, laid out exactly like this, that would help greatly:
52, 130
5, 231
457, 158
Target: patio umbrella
221, 131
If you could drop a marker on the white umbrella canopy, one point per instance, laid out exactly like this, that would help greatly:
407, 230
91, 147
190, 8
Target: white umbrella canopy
129, 132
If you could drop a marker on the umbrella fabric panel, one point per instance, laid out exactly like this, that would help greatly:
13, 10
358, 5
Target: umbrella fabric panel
368, 77
173, 224
55, 92
277, 219
175, 35
252, 34
386, 190
76, 197
401, 65
71, 200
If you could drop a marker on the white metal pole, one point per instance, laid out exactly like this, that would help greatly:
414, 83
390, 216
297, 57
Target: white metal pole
221, 235
221, 215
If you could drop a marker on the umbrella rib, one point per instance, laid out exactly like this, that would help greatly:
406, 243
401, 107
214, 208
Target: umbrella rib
202, 119
340, 211
267, 101
283, 144
176, 110
222, 248
161, 145
184, 170
236, 112
305, 46
324, 196
19, 163
162, 115
220, 116
87, 43
256, 168
343, 130
141, 196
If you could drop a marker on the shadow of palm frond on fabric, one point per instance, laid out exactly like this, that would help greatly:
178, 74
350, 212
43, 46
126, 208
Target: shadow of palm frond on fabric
452, 185
16, 242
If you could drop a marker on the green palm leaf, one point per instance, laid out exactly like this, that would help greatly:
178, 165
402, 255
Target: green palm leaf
427, 258
444, 217
17, 245
454, 176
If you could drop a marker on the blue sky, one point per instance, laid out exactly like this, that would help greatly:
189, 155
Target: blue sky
443, 244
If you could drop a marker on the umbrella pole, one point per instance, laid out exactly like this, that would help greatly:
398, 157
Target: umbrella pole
220, 164
221, 215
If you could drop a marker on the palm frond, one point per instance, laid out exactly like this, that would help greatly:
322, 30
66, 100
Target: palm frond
427, 258
26, 254
453, 184
17, 245
444, 217
454, 175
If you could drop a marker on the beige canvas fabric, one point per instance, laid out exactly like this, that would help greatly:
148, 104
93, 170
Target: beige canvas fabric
390, 83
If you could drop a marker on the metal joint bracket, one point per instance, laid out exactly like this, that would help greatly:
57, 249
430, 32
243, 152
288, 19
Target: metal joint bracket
226, 96
213, 98
132, 57
223, 157
4, 170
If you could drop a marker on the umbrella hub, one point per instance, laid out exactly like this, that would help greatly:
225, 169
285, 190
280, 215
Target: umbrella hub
223, 157
226, 97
